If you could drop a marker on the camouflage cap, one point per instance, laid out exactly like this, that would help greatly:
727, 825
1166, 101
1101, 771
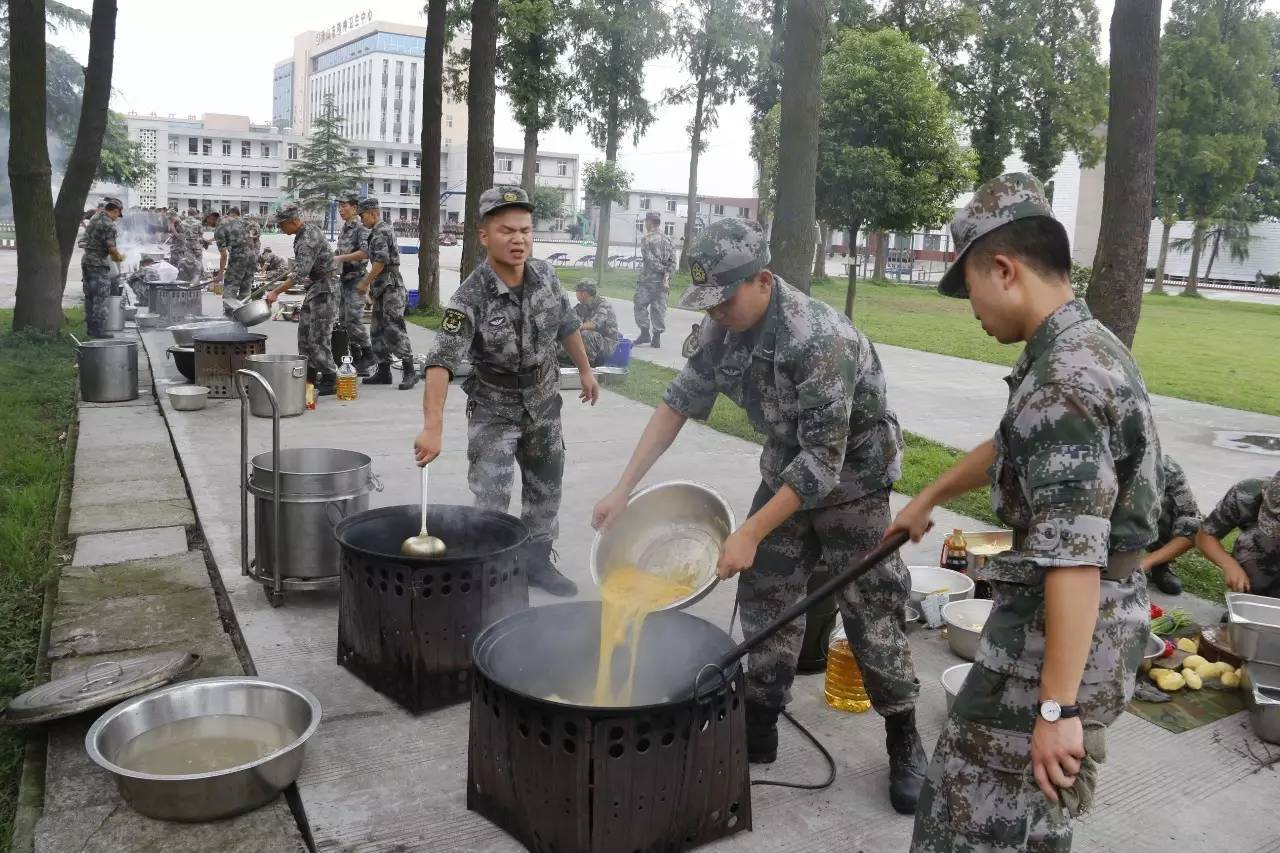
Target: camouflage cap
368, 204
587, 285
349, 197
995, 204
726, 254
285, 212
112, 201
499, 197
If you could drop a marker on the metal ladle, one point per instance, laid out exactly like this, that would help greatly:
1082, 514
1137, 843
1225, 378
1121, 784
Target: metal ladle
424, 544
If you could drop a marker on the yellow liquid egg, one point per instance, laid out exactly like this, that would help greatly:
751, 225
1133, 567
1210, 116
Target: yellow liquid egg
628, 595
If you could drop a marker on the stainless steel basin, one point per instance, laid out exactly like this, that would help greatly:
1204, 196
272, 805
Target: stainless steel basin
1253, 622
220, 793
1264, 705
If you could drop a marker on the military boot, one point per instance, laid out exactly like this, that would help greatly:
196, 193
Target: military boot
381, 377
657, 340
327, 384
762, 733
410, 374
907, 761
1165, 580
542, 572
364, 361
644, 337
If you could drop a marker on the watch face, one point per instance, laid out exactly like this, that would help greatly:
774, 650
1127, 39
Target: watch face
1050, 710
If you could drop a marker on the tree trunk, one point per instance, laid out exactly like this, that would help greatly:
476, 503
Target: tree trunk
695, 140
820, 257
1213, 253
606, 206
1120, 264
1157, 286
1197, 246
432, 108
87, 152
792, 239
882, 256
852, 290
528, 173
480, 109
38, 300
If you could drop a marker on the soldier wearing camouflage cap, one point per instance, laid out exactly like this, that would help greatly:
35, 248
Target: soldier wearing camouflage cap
313, 259
812, 385
99, 242
599, 327
510, 317
236, 256
382, 281
1075, 470
658, 262
1253, 564
351, 256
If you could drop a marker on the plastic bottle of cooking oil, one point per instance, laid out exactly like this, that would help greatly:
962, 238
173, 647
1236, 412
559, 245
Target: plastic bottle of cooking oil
348, 380
845, 691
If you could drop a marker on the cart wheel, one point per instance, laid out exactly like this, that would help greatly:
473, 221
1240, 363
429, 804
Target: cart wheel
275, 599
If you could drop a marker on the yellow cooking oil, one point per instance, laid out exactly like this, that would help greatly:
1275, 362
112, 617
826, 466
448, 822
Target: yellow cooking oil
348, 380
627, 596
844, 687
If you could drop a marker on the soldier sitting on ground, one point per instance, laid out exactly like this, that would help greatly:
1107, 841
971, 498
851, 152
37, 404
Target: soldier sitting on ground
1179, 523
1253, 564
599, 327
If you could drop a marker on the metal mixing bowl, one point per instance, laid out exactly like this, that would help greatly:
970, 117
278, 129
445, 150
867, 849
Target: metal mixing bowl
219, 794
926, 579
953, 679
188, 398
960, 616
667, 528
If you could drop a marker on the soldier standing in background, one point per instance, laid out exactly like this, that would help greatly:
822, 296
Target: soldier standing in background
255, 237
812, 385
352, 253
388, 333
312, 259
236, 257
99, 243
177, 240
599, 327
191, 232
1074, 469
654, 283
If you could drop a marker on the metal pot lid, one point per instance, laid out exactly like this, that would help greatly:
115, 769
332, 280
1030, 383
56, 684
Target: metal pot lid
104, 683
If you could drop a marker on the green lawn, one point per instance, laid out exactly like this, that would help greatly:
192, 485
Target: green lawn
1207, 350
37, 403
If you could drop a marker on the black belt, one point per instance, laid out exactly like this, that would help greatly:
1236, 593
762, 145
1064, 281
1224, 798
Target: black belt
529, 378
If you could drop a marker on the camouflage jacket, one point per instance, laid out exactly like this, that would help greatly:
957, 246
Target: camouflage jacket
273, 262
1245, 507
383, 248
255, 235
192, 232
354, 237
232, 237
599, 312
313, 259
98, 241
507, 333
658, 256
812, 384
1077, 476
1179, 514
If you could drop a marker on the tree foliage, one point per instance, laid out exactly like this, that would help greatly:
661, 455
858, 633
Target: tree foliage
603, 182
326, 165
941, 27
1264, 188
548, 204
122, 159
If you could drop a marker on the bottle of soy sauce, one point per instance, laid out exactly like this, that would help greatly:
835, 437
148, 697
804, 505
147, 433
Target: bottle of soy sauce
955, 552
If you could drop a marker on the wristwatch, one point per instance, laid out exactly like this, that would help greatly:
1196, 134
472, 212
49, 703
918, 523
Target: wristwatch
1051, 711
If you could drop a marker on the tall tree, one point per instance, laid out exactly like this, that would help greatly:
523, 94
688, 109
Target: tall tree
1065, 93
613, 40
429, 179
888, 154
1230, 225
792, 240
604, 183
718, 44
941, 27
326, 166
1264, 188
765, 90
38, 300
1216, 100
535, 40
1119, 267
86, 155
480, 107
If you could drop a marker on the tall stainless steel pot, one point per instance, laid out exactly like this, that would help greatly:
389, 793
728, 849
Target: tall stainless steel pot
108, 370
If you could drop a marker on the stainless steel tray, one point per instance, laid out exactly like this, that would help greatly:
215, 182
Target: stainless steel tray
1253, 622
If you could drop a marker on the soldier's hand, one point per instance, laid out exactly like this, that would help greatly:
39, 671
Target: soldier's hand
426, 447
1237, 580
271, 297
590, 388
362, 288
914, 520
606, 512
737, 554
1056, 752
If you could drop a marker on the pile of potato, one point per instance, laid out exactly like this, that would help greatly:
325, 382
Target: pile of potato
1195, 671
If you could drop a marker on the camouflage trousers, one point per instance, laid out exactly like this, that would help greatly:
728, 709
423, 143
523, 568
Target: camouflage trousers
650, 305
190, 268
97, 287
388, 334
871, 606
598, 349
497, 441
141, 291
315, 328
980, 794
237, 281
351, 314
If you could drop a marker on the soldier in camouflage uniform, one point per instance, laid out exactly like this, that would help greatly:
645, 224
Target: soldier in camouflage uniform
236, 257
352, 253
255, 238
269, 261
599, 327
390, 338
191, 261
1176, 531
1075, 470
99, 242
1252, 507
653, 285
312, 259
812, 384
177, 242
509, 314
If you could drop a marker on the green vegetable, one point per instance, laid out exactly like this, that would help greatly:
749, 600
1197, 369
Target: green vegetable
1170, 623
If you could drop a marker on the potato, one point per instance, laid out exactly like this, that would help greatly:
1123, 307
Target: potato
1206, 670
1223, 668
1230, 679
1192, 678
1194, 662
1187, 644
1171, 681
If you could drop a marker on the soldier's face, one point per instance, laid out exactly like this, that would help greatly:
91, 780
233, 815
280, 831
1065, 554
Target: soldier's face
583, 296
291, 226
995, 295
346, 211
748, 305
508, 236
369, 218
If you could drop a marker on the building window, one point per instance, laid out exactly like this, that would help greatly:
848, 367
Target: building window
404, 188
206, 147
669, 228
717, 209
645, 202
193, 145
417, 159
448, 120
226, 179
415, 188
386, 187
173, 176
671, 205
193, 178
206, 177
244, 180
293, 183
266, 179
266, 149
404, 159
173, 144
506, 164
537, 167
744, 212
226, 206
370, 156
562, 169
262, 209
246, 149
453, 216
933, 242
391, 159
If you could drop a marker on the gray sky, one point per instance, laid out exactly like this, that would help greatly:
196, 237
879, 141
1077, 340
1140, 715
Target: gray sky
237, 42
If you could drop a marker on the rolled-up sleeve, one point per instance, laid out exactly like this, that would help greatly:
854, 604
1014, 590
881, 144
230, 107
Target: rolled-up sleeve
693, 392
378, 247
1239, 507
825, 400
1069, 477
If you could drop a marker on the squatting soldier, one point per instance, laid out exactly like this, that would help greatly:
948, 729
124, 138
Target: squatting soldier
352, 253
599, 327
1075, 471
389, 336
508, 315
269, 261
654, 283
1176, 531
812, 384
1252, 507
235, 254
312, 259
99, 243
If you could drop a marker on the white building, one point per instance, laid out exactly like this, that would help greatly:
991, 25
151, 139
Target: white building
626, 220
